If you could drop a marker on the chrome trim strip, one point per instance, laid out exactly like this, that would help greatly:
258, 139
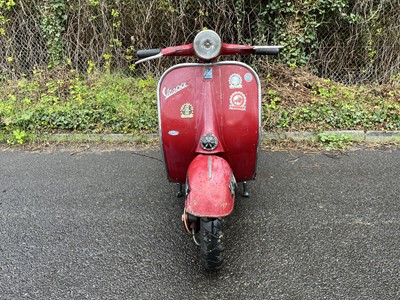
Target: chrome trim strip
210, 167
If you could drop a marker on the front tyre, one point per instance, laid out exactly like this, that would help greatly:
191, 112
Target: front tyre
211, 247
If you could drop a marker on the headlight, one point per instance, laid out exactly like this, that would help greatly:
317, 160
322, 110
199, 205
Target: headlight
207, 44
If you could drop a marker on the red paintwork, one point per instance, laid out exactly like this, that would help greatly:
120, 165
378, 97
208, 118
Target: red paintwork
231, 49
209, 179
226, 49
237, 130
181, 50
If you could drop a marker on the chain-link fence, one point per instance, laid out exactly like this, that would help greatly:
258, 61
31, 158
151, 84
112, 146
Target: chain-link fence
363, 46
358, 45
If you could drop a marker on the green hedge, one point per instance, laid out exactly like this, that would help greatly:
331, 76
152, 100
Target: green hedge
102, 103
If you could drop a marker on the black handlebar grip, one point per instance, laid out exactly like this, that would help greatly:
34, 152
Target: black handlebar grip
147, 52
267, 51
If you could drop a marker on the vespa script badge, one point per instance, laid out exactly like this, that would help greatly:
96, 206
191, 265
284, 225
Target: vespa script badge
168, 92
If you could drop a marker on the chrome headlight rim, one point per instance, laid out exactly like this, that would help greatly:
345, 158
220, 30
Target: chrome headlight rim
207, 45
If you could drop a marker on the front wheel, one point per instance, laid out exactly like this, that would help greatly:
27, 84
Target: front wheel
210, 240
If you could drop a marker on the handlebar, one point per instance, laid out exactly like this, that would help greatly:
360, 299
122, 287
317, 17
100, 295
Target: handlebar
267, 50
148, 52
188, 50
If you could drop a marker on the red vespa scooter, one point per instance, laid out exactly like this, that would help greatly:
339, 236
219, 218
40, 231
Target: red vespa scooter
210, 130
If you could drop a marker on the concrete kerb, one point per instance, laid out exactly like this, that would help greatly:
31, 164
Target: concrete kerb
111, 138
353, 135
382, 136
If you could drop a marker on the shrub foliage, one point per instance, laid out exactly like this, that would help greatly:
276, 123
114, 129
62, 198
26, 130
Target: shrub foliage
346, 40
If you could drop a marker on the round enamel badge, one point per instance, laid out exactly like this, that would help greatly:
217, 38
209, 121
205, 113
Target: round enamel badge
248, 77
237, 101
187, 111
235, 81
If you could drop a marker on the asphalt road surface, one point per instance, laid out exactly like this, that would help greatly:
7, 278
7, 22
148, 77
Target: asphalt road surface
106, 225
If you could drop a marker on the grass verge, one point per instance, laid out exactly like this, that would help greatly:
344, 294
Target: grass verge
297, 101
101, 103
68, 103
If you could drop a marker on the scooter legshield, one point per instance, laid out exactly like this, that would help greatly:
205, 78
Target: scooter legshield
211, 187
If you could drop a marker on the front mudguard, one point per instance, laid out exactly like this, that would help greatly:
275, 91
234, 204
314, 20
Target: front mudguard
210, 187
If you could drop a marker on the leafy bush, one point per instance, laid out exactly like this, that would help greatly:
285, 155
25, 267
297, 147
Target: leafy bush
101, 103
63, 101
333, 141
326, 105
